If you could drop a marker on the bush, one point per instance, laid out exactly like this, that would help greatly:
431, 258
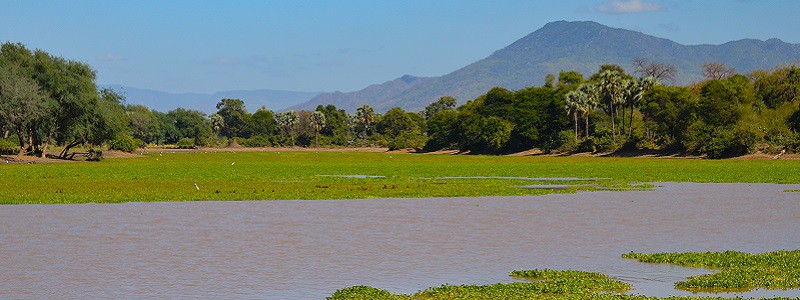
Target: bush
139, 143
567, 140
186, 143
8, 147
95, 155
606, 143
258, 141
123, 142
730, 143
406, 140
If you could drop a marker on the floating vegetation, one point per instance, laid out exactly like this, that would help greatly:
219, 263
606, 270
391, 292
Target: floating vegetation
738, 271
791, 191
544, 284
354, 176
524, 178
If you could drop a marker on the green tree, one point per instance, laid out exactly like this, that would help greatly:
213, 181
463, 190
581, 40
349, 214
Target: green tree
190, 124
288, 122
22, 105
569, 78
317, 123
444, 103
238, 122
264, 122
144, 124
366, 116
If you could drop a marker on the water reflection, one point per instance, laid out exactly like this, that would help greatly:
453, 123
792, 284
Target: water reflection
308, 249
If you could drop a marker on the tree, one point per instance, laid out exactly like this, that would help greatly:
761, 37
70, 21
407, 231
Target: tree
190, 124
574, 107
217, 123
612, 87
569, 78
317, 123
238, 122
22, 106
143, 122
288, 122
590, 101
366, 115
657, 70
548, 80
717, 70
264, 123
444, 103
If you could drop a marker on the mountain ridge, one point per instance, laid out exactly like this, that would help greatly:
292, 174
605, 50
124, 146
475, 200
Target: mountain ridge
562, 45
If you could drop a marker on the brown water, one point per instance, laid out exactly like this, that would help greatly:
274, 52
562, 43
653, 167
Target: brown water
309, 249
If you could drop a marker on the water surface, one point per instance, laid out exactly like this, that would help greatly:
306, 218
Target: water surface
309, 249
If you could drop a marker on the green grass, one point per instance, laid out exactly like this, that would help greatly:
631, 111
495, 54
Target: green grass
543, 284
295, 175
737, 271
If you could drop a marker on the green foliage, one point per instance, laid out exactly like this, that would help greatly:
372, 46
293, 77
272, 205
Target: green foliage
258, 141
738, 271
123, 142
794, 121
8, 147
237, 121
445, 103
264, 122
442, 132
780, 86
186, 143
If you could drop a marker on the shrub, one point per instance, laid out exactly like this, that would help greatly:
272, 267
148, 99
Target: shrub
257, 141
8, 147
406, 140
95, 155
567, 140
730, 143
186, 143
123, 142
139, 143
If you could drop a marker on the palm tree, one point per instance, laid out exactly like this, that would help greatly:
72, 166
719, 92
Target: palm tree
573, 106
611, 88
317, 122
288, 121
589, 102
366, 115
217, 123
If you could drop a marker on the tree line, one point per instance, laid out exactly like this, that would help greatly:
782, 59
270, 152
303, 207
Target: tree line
47, 100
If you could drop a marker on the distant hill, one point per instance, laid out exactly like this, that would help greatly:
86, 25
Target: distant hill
163, 101
579, 46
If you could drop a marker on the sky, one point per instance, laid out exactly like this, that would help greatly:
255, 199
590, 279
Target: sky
318, 46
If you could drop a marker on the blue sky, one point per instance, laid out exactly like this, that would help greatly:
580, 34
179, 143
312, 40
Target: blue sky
207, 46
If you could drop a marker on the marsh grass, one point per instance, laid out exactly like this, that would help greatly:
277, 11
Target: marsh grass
738, 271
295, 175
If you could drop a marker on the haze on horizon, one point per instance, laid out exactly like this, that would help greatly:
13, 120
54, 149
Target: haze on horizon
208, 46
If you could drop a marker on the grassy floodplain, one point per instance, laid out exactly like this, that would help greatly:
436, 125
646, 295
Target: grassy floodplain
300, 175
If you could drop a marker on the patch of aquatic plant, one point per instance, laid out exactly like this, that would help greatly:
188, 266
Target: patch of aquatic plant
738, 271
543, 284
791, 191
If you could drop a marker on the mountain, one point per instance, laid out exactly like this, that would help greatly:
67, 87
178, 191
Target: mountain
578, 46
253, 99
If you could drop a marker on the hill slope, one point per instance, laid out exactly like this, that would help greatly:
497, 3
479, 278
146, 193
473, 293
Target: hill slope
579, 46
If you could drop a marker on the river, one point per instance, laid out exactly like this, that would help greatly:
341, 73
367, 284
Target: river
309, 249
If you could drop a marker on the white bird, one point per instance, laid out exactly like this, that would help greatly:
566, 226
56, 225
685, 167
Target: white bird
233, 163
6, 161
197, 187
